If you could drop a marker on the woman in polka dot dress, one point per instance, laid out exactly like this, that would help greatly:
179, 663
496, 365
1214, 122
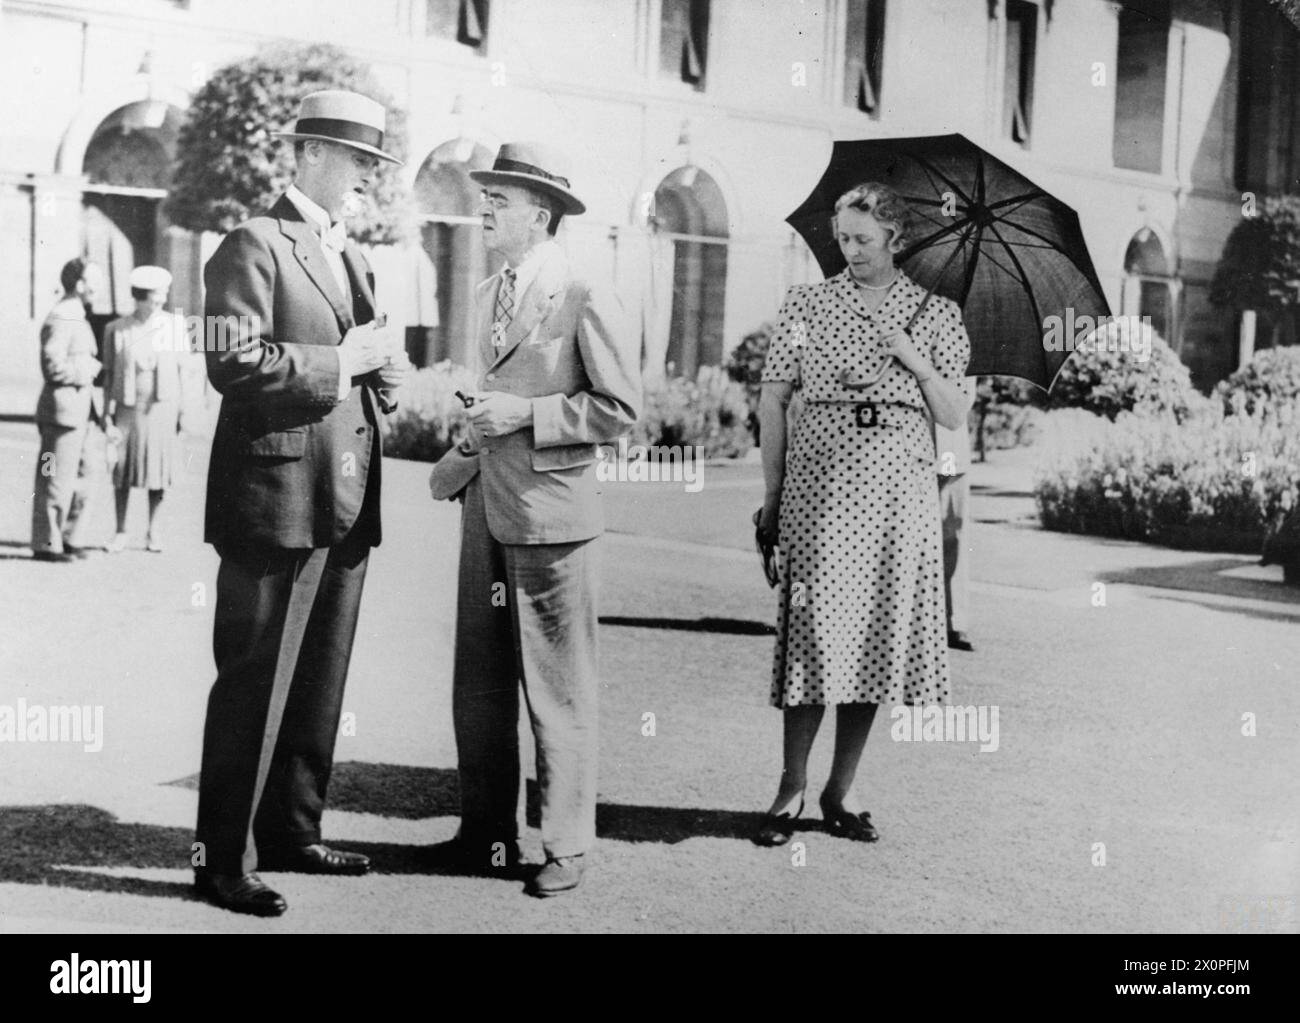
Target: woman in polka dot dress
855, 506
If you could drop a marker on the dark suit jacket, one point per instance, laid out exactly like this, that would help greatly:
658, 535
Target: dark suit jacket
291, 466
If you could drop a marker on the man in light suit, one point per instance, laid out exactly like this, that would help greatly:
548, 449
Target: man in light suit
560, 371
292, 506
952, 448
68, 412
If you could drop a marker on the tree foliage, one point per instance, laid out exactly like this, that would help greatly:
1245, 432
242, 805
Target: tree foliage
1260, 267
230, 166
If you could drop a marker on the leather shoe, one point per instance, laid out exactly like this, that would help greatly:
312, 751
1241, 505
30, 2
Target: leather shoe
239, 893
958, 641
314, 859
560, 874
59, 557
776, 828
842, 824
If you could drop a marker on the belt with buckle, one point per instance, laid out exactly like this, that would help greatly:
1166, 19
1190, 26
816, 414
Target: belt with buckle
868, 414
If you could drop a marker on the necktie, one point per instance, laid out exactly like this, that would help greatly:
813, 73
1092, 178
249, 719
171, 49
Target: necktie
505, 307
335, 237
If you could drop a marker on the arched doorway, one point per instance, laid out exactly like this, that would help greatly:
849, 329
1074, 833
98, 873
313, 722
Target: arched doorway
689, 210
127, 167
446, 199
1149, 286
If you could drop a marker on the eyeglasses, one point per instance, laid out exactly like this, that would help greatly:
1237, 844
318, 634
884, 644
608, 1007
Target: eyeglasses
498, 201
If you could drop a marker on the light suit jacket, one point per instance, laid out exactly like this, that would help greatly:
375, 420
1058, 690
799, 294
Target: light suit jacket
69, 367
570, 349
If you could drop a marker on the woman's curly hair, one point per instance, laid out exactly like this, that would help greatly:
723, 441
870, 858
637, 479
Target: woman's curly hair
883, 203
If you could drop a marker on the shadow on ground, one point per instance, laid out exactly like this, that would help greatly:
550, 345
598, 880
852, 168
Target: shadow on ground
722, 626
65, 845
1206, 577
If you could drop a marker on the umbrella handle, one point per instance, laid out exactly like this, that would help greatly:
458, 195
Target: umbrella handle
930, 294
850, 379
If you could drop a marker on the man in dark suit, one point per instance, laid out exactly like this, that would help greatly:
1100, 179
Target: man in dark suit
292, 506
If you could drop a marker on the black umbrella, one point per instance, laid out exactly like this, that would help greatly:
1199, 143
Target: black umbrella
991, 240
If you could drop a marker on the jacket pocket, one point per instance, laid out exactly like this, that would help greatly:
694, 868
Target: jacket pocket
280, 444
564, 456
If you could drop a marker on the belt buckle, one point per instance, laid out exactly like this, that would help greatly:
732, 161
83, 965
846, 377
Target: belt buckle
866, 414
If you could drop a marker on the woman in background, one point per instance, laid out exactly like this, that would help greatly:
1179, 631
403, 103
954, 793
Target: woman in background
144, 398
856, 510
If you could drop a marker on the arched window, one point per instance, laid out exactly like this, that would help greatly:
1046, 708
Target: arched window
446, 198
128, 166
690, 211
1149, 287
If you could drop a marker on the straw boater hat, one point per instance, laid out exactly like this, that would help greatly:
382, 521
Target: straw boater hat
531, 165
335, 115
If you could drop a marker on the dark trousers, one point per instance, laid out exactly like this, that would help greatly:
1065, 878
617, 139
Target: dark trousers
285, 621
954, 505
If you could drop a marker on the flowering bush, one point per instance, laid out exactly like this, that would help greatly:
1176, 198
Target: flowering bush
1005, 414
1272, 377
709, 411
1213, 482
430, 420
1108, 380
745, 366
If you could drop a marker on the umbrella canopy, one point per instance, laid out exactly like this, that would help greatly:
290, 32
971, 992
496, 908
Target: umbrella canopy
1011, 255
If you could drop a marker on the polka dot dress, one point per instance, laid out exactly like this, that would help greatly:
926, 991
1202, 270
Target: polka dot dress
861, 617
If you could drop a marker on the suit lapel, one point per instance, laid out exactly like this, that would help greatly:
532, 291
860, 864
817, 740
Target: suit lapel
533, 306
487, 300
311, 257
362, 280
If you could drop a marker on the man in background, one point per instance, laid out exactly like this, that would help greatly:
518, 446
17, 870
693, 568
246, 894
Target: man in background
70, 465
953, 453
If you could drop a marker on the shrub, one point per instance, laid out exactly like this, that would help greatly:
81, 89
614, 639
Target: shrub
1260, 265
1005, 414
228, 165
430, 420
1272, 377
745, 366
1103, 379
1211, 482
710, 411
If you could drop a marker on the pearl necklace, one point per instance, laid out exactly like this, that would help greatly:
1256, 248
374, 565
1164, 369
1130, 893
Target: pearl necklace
877, 287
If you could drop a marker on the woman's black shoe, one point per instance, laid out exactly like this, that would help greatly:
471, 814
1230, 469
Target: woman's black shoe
776, 828
842, 824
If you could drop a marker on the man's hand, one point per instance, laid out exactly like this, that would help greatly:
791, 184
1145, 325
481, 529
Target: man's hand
497, 413
394, 372
364, 348
113, 433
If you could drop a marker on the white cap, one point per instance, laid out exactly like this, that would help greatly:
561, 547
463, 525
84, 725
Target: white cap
150, 278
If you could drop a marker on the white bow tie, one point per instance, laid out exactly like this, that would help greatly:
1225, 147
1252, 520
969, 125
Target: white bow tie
335, 236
